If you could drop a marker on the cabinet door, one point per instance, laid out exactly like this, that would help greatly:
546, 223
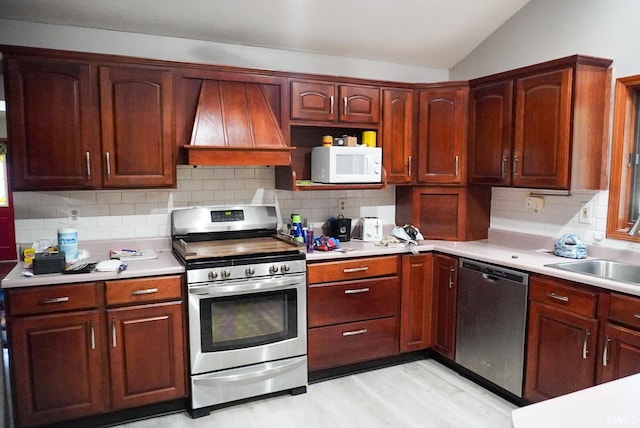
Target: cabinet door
56, 367
621, 352
417, 303
490, 125
541, 153
397, 135
442, 130
313, 101
137, 128
360, 104
561, 352
146, 351
445, 288
50, 124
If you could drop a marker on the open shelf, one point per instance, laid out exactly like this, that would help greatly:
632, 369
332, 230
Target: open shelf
297, 176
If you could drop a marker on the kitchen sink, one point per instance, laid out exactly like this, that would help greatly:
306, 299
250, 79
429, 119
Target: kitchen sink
607, 269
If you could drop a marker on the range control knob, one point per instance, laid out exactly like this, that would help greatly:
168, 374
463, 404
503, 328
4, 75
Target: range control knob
249, 271
226, 273
273, 269
212, 275
285, 268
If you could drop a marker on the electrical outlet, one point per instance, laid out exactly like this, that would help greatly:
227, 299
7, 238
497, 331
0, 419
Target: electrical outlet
534, 203
342, 205
585, 214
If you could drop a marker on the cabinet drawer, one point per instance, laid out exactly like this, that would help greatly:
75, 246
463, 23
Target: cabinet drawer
138, 290
54, 298
349, 343
343, 270
353, 301
625, 310
562, 294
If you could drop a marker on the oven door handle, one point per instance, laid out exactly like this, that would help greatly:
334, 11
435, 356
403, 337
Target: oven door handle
244, 287
270, 371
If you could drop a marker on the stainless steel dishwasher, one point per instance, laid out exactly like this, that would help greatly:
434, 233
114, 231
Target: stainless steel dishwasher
491, 319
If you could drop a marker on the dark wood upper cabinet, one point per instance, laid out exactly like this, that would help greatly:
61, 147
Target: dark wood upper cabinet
51, 124
75, 123
490, 129
442, 134
136, 112
543, 126
328, 102
397, 134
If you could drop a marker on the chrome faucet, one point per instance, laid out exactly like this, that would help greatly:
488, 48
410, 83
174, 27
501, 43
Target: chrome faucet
634, 229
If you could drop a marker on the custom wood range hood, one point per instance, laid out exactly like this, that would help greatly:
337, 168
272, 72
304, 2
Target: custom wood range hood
234, 125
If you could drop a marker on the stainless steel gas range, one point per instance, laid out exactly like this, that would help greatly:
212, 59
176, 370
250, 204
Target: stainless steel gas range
246, 303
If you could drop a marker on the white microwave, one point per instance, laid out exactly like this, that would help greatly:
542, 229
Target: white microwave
342, 164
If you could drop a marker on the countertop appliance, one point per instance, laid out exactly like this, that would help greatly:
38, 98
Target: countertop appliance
340, 164
246, 295
491, 319
370, 229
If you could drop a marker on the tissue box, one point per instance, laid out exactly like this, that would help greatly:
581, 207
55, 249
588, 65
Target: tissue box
48, 263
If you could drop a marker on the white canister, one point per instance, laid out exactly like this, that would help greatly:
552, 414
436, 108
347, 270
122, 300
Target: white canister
68, 242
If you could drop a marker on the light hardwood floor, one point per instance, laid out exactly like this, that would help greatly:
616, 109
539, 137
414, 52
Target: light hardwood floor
421, 394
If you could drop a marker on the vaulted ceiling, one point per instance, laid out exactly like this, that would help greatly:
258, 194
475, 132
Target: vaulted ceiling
425, 33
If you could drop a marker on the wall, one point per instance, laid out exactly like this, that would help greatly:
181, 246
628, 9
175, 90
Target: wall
186, 50
541, 31
117, 214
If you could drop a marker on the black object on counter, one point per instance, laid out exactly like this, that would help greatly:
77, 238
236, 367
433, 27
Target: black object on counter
340, 228
48, 263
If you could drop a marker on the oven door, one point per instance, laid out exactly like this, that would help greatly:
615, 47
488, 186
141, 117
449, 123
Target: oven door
237, 323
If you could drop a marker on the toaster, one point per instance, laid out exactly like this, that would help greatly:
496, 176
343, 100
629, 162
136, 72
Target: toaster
370, 229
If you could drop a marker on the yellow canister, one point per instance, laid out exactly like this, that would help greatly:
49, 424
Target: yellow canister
369, 138
327, 140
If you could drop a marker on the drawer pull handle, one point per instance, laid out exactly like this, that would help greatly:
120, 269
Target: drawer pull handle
636, 316
54, 300
356, 290
352, 270
145, 291
558, 297
354, 332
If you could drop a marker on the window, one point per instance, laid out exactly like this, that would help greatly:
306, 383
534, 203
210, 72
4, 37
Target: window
624, 189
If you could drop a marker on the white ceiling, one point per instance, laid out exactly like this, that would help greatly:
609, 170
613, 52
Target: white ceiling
425, 33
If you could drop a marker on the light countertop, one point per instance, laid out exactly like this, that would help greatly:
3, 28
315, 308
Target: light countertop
165, 264
585, 408
524, 252
509, 250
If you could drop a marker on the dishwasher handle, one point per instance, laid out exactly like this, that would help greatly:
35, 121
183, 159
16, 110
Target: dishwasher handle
494, 273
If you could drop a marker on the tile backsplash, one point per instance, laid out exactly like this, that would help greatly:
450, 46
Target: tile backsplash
122, 214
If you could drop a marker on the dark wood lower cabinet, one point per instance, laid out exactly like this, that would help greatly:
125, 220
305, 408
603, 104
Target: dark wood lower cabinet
146, 371
71, 357
416, 306
348, 343
57, 367
445, 292
561, 352
621, 352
